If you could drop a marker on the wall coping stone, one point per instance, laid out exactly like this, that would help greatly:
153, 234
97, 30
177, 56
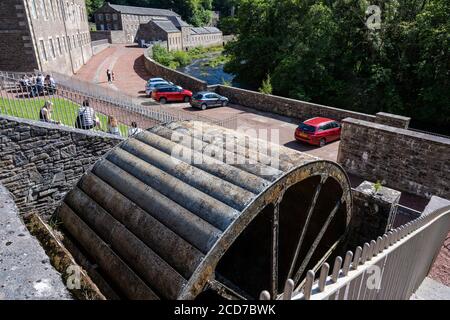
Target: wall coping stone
290, 100
391, 115
60, 127
27, 272
400, 131
385, 194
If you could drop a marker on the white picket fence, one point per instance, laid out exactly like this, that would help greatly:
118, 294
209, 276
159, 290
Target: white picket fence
392, 267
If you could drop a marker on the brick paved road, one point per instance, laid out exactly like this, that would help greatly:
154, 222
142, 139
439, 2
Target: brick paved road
130, 78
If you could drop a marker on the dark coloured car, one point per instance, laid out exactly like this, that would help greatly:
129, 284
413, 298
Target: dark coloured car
318, 131
207, 99
171, 93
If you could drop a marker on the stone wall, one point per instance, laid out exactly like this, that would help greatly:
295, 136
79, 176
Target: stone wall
40, 162
374, 213
392, 120
96, 49
113, 36
406, 160
287, 107
16, 46
179, 78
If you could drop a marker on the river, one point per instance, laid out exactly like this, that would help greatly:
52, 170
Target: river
212, 75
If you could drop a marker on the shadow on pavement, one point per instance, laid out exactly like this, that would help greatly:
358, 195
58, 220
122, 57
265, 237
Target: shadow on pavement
294, 144
139, 68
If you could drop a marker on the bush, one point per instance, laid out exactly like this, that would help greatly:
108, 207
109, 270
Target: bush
161, 55
266, 86
182, 58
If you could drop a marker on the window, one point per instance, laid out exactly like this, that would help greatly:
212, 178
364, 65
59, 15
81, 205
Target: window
52, 48
59, 45
53, 13
33, 9
100, 17
44, 8
43, 51
108, 17
114, 16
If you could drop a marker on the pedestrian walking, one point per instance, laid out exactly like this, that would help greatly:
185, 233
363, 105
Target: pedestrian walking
109, 75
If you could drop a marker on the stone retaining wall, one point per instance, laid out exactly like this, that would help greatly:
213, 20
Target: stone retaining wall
40, 162
287, 107
99, 48
406, 160
392, 120
179, 78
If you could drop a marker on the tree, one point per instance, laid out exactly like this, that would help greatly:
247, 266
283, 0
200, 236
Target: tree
323, 51
92, 6
266, 86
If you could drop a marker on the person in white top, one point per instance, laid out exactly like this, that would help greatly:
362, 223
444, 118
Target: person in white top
134, 129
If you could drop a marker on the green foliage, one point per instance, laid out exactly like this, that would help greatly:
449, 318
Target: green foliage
162, 55
228, 25
377, 186
216, 61
182, 57
226, 82
92, 6
176, 59
266, 86
322, 51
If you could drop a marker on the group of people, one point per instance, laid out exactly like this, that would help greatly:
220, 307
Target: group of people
88, 119
38, 84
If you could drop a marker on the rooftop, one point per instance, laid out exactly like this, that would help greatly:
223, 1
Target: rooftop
142, 10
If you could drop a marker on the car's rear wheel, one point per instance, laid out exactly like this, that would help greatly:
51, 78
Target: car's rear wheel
322, 142
186, 99
203, 106
224, 103
162, 100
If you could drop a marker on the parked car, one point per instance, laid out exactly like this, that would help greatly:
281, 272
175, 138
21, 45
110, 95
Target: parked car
205, 99
149, 88
171, 93
318, 131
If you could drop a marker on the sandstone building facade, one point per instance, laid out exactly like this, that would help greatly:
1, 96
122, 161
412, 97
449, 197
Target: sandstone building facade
126, 24
49, 35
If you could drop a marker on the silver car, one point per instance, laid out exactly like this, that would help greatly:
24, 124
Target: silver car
207, 99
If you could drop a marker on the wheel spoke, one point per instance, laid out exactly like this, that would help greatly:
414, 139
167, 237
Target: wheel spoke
316, 242
274, 251
305, 227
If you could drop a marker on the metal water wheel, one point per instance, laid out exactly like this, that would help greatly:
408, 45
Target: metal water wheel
168, 214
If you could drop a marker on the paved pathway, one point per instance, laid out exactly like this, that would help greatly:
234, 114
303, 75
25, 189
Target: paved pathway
25, 269
431, 290
130, 77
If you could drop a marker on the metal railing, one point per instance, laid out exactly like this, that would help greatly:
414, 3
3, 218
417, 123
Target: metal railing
392, 267
25, 100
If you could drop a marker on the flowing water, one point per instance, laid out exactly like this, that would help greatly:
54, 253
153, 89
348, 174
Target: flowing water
212, 75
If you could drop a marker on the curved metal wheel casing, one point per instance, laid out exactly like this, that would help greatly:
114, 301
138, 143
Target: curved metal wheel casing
170, 214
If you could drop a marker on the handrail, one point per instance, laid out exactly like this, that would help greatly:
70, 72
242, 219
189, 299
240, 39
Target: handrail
110, 101
391, 267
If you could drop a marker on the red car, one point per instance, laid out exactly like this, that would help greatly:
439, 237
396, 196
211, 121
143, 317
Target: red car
318, 131
171, 93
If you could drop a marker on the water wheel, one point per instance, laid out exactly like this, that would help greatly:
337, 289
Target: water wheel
168, 214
